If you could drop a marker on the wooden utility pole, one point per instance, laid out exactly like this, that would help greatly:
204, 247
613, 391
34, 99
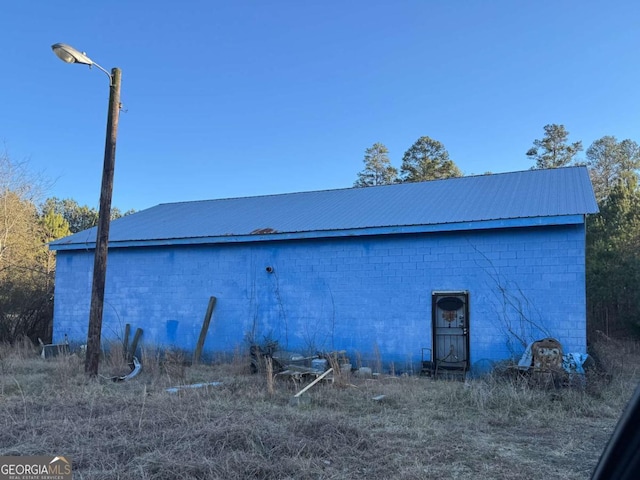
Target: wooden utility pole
102, 238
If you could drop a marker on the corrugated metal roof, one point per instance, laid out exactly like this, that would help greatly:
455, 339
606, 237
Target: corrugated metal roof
527, 194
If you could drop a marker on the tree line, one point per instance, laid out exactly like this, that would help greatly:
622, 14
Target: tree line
613, 234
27, 224
27, 265
428, 159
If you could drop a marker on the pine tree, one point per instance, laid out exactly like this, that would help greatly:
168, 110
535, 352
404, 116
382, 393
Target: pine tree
553, 151
427, 159
377, 168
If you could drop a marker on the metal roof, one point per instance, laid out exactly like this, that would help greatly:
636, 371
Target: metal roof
516, 195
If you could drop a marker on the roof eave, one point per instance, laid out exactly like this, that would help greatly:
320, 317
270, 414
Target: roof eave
369, 231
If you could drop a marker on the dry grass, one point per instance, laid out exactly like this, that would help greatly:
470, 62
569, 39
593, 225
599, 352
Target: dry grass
493, 428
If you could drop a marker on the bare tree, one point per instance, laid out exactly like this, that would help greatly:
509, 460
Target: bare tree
610, 161
25, 283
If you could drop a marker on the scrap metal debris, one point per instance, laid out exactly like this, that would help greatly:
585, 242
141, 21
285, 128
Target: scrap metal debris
136, 368
546, 357
191, 386
129, 355
547, 354
297, 367
284, 362
54, 349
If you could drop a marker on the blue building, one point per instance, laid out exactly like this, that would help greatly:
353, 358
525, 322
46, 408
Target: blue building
473, 268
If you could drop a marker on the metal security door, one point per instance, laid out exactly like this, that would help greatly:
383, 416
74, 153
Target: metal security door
450, 320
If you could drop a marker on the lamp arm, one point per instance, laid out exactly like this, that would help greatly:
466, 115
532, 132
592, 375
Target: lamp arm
94, 64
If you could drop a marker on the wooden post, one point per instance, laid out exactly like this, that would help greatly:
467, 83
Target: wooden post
125, 342
134, 344
203, 333
102, 236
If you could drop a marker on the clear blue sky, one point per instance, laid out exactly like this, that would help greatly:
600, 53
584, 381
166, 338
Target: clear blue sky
240, 98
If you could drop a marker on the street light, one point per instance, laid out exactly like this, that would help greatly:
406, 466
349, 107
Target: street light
69, 54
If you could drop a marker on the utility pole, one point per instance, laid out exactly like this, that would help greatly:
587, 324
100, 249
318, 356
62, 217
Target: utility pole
102, 237
68, 54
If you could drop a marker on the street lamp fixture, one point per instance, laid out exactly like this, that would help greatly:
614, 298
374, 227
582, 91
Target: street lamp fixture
69, 54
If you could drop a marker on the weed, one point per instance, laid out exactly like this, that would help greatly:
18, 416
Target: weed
499, 426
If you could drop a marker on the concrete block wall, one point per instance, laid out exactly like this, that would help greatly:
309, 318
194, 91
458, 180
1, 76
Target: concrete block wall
360, 294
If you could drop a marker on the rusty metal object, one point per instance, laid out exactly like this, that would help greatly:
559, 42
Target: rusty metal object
547, 354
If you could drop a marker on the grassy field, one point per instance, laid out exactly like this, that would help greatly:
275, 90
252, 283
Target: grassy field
491, 428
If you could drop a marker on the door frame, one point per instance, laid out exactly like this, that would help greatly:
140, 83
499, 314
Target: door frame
435, 295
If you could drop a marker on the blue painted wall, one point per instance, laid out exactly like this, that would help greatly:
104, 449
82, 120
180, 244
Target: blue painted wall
360, 294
